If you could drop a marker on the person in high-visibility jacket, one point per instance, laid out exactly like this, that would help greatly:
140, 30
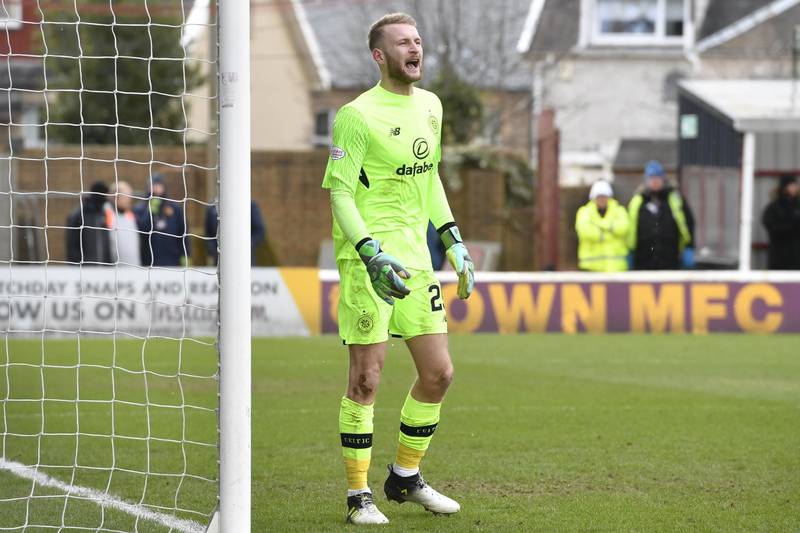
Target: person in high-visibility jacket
662, 225
602, 227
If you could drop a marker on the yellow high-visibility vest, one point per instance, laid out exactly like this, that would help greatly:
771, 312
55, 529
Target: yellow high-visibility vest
602, 239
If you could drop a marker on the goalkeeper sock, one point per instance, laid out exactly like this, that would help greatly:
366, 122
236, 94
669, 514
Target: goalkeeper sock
355, 428
418, 421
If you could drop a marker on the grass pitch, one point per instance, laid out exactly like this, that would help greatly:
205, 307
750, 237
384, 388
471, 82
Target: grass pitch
538, 433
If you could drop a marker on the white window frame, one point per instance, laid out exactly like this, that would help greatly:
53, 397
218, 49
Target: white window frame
659, 38
14, 10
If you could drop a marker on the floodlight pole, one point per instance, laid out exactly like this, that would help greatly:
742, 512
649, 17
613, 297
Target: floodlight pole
234, 265
746, 206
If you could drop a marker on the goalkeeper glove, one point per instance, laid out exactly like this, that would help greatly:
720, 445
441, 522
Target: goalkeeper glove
384, 271
459, 257
155, 205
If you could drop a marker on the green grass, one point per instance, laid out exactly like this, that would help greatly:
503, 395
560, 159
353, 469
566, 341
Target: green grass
538, 433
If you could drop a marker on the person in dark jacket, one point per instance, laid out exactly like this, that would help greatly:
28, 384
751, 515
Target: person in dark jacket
88, 239
661, 235
782, 220
165, 240
435, 247
258, 231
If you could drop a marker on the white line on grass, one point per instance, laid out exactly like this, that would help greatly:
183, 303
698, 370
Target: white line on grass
100, 498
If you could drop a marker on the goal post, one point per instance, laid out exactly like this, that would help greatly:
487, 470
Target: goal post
234, 266
125, 350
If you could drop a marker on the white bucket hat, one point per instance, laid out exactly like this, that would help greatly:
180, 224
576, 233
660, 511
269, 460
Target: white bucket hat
600, 188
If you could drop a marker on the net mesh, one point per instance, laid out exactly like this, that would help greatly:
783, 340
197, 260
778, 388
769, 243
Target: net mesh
108, 290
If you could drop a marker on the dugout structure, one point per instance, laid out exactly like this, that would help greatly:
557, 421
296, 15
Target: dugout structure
736, 137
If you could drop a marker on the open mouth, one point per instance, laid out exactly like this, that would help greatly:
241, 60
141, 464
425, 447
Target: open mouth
412, 64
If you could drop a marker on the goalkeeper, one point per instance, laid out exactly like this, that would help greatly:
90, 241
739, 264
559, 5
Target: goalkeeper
384, 187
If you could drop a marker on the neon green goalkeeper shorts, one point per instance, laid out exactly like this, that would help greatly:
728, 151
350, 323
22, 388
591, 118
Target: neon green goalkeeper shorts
366, 319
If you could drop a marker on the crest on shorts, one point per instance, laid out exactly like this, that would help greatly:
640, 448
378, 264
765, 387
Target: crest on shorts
337, 153
365, 323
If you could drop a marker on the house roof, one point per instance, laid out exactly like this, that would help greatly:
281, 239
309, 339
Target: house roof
551, 27
751, 105
483, 36
554, 25
727, 19
633, 154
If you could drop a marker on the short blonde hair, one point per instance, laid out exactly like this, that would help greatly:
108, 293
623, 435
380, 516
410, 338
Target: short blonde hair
376, 30
122, 187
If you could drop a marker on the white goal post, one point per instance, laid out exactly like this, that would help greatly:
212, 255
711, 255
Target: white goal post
234, 238
126, 349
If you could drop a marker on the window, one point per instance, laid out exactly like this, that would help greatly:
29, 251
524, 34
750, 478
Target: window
323, 121
10, 14
638, 22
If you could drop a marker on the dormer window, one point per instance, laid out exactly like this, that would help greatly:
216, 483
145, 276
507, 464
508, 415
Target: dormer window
637, 22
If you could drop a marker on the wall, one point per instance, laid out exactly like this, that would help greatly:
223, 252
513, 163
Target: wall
595, 109
295, 207
285, 185
763, 52
65, 173
298, 217
281, 86
18, 41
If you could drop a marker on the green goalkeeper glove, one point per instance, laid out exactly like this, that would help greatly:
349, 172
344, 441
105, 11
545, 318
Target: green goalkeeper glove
459, 257
385, 272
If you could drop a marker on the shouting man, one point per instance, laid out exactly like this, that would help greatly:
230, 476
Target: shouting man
384, 186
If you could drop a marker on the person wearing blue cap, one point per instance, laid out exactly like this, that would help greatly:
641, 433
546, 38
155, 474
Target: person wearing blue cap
661, 235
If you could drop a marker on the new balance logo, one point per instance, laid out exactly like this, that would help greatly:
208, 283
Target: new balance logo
394, 132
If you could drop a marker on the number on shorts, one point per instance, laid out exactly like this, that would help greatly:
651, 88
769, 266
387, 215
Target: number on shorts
436, 304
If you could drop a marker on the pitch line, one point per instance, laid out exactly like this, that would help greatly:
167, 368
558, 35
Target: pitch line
102, 499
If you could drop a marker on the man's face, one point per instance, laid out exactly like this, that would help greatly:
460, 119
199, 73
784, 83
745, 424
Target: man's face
402, 49
655, 183
601, 201
124, 200
158, 189
793, 189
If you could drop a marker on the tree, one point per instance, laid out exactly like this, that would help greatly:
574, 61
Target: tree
470, 46
129, 66
461, 105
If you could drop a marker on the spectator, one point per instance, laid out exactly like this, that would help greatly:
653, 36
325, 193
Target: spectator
125, 236
602, 227
662, 225
435, 247
87, 238
258, 231
164, 241
782, 220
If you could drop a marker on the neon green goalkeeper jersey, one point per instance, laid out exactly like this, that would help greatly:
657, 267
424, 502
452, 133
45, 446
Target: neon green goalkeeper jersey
386, 152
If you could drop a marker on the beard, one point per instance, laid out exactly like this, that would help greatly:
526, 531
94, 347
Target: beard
396, 69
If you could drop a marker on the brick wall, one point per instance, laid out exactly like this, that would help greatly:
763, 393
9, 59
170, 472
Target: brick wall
47, 189
285, 185
297, 212
571, 199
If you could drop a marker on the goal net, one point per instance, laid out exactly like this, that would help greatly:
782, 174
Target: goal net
109, 367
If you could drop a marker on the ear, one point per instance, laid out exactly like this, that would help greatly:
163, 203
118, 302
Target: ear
377, 55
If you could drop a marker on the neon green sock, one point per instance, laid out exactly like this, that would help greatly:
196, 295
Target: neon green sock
418, 421
355, 428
